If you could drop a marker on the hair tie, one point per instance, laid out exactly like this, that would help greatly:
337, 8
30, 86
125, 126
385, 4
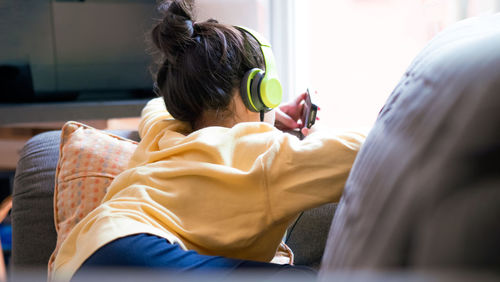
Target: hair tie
195, 35
190, 26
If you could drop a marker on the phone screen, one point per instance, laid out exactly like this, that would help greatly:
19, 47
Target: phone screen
309, 112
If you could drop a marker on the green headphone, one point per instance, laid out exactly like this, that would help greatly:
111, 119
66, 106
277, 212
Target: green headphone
261, 90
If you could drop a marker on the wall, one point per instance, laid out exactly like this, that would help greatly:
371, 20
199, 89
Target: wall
358, 50
249, 13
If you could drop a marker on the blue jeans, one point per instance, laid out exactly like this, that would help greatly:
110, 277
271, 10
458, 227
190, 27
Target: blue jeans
153, 252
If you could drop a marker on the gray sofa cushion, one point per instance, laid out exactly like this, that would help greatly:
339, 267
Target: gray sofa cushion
33, 232
307, 235
424, 192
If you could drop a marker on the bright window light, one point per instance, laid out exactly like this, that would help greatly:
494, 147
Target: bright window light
354, 52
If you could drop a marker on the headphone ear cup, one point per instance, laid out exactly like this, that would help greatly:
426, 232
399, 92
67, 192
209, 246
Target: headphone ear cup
249, 90
245, 89
255, 91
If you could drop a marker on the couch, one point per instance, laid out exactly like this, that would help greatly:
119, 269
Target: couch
423, 195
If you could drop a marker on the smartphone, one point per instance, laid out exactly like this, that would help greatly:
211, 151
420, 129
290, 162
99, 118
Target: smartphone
309, 112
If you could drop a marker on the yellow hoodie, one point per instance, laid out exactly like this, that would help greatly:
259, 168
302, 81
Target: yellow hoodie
219, 191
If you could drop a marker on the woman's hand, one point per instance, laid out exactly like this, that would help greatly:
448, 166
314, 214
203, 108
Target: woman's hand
288, 115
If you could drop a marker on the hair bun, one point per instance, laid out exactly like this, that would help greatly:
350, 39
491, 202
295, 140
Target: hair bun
175, 32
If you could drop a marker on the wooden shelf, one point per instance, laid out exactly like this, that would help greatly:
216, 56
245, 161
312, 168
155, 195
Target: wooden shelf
64, 111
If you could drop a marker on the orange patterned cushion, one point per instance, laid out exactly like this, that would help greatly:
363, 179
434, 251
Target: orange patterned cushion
89, 159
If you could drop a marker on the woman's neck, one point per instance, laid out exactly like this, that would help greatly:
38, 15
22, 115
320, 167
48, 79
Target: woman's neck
234, 114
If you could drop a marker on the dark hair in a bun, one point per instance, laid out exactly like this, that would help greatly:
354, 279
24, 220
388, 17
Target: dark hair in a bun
201, 63
175, 32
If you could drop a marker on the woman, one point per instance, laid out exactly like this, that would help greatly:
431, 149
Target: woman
210, 185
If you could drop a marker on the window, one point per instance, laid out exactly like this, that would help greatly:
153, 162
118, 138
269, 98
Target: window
353, 52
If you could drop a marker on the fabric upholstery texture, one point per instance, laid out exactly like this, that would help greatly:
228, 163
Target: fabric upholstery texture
89, 160
33, 232
307, 236
424, 190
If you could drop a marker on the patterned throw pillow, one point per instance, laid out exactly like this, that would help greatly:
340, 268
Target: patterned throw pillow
89, 159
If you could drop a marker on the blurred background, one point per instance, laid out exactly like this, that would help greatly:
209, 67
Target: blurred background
353, 52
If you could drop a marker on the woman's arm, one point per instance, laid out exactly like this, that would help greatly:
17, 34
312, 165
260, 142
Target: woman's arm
308, 173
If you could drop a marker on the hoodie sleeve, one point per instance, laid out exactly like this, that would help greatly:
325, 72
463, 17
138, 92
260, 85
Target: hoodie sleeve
305, 174
153, 112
